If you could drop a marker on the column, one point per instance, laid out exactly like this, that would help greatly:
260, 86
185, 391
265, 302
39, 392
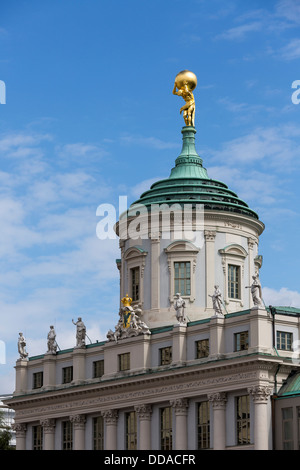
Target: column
79, 431
111, 421
155, 271
251, 243
210, 236
180, 406
144, 414
48, 433
218, 401
20, 429
260, 395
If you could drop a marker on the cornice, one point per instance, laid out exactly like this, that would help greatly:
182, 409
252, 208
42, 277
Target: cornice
145, 388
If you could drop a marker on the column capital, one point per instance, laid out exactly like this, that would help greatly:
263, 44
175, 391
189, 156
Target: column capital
180, 405
110, 416
210, 235
48, 425
78, 421
260, 393
20, 429
218, 399
143, 411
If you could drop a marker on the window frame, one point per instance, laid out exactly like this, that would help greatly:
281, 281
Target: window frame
99, 364
243, 422
124, 362
204, 341
67, 374
165, 356
288, 340
177, 252
98, 433
37, 379
166, 432
244, 339
131, 430
203, 428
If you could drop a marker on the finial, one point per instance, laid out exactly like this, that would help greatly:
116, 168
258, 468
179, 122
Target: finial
185, 83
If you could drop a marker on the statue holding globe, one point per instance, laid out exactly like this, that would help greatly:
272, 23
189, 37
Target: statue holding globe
185, 83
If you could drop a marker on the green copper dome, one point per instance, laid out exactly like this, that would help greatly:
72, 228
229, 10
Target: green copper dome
189, 183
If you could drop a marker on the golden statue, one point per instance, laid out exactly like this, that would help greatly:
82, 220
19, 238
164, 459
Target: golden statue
185, 83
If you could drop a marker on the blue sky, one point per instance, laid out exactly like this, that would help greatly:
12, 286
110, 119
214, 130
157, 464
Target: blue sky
90, 116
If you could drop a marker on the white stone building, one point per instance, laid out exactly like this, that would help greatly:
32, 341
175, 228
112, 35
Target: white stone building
207, 381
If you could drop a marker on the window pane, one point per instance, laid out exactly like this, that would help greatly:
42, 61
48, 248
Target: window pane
166, 429
131, 431
233, 281
98, 433
203, 425
243, 420
182, 277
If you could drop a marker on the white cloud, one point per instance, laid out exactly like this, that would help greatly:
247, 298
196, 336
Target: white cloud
291, 51
282, 298
240, 32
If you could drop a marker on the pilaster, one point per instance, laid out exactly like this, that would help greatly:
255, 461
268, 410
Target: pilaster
210, 236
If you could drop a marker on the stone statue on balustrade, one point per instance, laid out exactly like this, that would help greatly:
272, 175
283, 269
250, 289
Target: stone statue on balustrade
179, 305
51, 341
256, 292
22, 347
80, 333
217, 301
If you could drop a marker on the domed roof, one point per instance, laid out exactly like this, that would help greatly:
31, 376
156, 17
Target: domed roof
189, 183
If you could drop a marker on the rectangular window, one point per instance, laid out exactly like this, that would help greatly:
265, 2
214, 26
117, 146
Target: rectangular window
241, 341
67, 435
287, 429
182, 277
202, 348
234, 282
131, 431
284, 340
166, 428
98, 433
67, 374
37, 437
135, 284
165, 356
38, 380
124, 361
98, 368
203, 425
243, 420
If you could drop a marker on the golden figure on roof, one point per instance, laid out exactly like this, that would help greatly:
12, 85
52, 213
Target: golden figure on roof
185, 83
